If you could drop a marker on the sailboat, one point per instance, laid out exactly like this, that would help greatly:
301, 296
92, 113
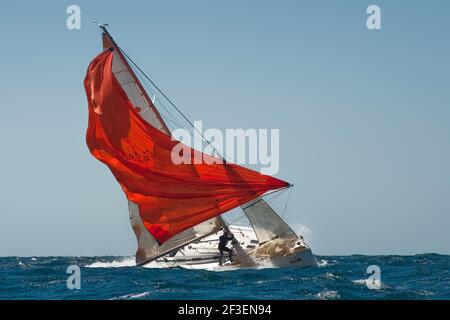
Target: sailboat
176, 210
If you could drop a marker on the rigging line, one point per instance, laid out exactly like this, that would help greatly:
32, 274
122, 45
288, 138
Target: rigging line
175, 123
277, 194
236, 220
269, 201
286, 205
172, 119
169, 113
265, 195
170, 101
180, 125
162, 104
279, 190
175, 120
168, 116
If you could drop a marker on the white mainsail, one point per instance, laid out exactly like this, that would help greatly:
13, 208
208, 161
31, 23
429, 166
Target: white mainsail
148, 247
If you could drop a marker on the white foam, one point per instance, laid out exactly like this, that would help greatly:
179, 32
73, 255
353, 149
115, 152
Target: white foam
360, 281
328, 295
373, 283
124, 262
214, 266
322, 263
132, 296
155, 265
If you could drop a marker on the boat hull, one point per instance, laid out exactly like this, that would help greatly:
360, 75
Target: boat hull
204, 254
302, 259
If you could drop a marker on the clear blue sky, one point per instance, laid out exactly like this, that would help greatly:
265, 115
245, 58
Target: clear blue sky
364, 115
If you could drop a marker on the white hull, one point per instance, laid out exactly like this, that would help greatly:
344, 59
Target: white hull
204, 254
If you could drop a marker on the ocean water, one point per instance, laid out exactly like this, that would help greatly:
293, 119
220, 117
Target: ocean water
424, 276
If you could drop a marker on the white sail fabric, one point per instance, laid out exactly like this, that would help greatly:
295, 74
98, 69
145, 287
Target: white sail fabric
148, 247
267, 224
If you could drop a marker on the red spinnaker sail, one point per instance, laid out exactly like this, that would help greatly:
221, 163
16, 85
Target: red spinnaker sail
171, 197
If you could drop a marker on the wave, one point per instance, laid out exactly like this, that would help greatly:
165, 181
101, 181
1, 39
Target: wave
215, 267
322, 263
121, 263
330, 275
341, 277
375, 283
328, 295
132, 296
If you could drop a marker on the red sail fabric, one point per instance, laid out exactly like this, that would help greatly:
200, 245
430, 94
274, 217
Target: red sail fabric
171, 197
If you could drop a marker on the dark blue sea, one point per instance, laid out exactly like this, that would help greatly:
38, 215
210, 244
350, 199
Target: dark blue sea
424, 276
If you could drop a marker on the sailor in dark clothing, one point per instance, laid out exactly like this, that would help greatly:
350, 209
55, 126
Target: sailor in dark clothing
223, 241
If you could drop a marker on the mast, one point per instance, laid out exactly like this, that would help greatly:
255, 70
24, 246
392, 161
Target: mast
148, 247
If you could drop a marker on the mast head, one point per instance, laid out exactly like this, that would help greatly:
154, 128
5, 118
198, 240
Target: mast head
102, 26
